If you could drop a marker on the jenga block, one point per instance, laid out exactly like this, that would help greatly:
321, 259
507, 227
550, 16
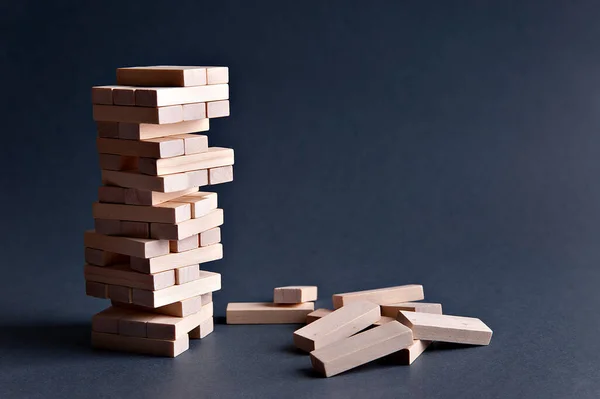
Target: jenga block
213, 158
109, 130
409, 355
445, 328
202, 202
383, 320
145, 131
381, 296
206, 298
119, 293
317, 314
111, 194
102, 95
181, 308
170, 96
135, 324
133, 196
140, 345
195, 111
189, 243
210, 237
362, 348
295, 294
161, 147
164, 184
423, 307
122, 228
169, 327
220, 175
118, 113
267, 313
99, 257
107, 321
187, 273
138, 247
188, 228
208, 282
163, 75
193, 143
122, 275
204, 329
337, 325
217, 109
97, 290
174, 260
167, 212
217, 75
117, 162
123, 95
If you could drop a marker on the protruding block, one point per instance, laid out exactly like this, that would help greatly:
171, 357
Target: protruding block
139, 247
339, 324
98, 290
181, 308
223, 174
381, 296
213, 158
204, 329
118, 113
267, 313
217, 75
146, 346
362, 348
170, 96
99, 257
163, 184
193, 143
169, 327
445, 328
187, 273
161, 147
167, 212
217, 109
187, 244
188, 228
194, 111
164, 75
174, 260
119, 293
122, 275
295, 294
210, 237
145, 131
151, 198
423, 307
201, 202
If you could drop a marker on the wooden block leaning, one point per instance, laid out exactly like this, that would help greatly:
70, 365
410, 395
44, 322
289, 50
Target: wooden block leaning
134, 196
170, 96
317, 314
175, 260
423, 307
188, 228
201, 202
145, 131
267, 313
381, 296
445, 328
213, 158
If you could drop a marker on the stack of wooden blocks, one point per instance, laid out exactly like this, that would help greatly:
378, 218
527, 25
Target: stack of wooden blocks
153, 227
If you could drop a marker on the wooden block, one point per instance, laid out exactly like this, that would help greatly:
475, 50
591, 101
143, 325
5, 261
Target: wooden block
170, 96
445, 328
111, 194
102, 95
117, 162
174, 260
220, 175
161, 147
206, 298
217, 75
108, 129
167, 212
267, 313
317, 314
122, 275
213, 158
122, 228
163, 75
208, 282
361, 348
107, 321
210, 237
189, 243
195, 111
205, 328
187, 273
140, 345
423, 307
202, 202
217, 109
119, 293
133, 196
145, 131
381, 296
135, 324
339, 324
193, 143
118, 113
163, 184
383, 320
99, 257
188, 228
169, 327
123, 95
138, 247
181, 308
295, 294
408, 355
97, 290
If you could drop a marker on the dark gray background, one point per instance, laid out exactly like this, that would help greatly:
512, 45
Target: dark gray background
453, 144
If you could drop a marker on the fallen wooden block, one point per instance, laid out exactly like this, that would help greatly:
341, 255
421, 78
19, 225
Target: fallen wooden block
98, 290
223, 174
181, 308
146, 346
138, 247
119, 293
267, 313
295, 294
167, 212
339, 324
194, 111
169, 327
201, 202
171, 96
217, 109
151, 198
361, 348
119, 113
99, 257
125, 228
177, 259
188, 228
445, 328
189, 243
145, 131
317, 314
122, 275
205, 328
423, 307
163, 184
213, 158
210, 237
161, 147
167, 75
381, 296
408, 355
186, 274
193, 143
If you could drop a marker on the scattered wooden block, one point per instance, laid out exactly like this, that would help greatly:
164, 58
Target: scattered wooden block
97, 290
174, 260
117, 162
99, 257
339, 324
169, 327
423, 307
210, 237
102, 95
194, 111
170, 96
122, 228
111, 194
408, 355
119, 293
223, 174
147, 346
163, 184
359, 349
217, 109
381, 296
383, 320
138, 247
122, 275
188, 228
201, 202
295, 294
133, 196
205, 328
213, 158
445, 328
267, 313
118, 113
189, 243
161, 147
109, 130
145, 131
317, 314
162, 75
181, 308
187, 273
107, 321
193, 143
167, 212
217, 75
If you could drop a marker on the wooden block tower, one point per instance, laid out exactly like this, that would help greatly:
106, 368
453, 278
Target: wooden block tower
154, 229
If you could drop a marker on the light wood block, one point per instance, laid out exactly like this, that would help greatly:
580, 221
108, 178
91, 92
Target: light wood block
339, 324
135, 324
187, 273
383, 320
210, 237
119, 293
123, 95
204, 329
174, 260
111, 194
107, 321
217, 75
102, 95
170, 96
223, 174
133, 196
138, 247
163, 184
295, 294
118, 113
97, 290
181, 308
99, 257
446, 328
194, 111
206, 298
161, 147
109, 130
361, 348
423, 307
122, 275
408, 355
208, 282
213, 158
146, 346
189, 243
217, 109
169, 327
188, 228
317, 314
163, 75
117, 162
145, 131
201, 202
167, 212
193, 143
122, 228
267, 313
381, 296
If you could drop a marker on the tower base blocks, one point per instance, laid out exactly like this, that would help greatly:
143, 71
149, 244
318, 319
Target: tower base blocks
154, 228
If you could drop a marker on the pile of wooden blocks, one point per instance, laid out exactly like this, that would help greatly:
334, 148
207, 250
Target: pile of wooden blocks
153, 227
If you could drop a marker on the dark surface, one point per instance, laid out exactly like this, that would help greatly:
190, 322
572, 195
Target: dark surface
454, 144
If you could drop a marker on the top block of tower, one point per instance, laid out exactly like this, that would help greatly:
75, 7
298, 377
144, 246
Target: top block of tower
167, 75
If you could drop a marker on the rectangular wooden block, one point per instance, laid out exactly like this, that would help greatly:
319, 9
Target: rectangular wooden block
167, 212
102, 95
119, 293
145, 131
187, 273
99, 257
423, 307
213, 158
111, 194
201, 202
161, 147
223, 174
267, 313
163, 75
194, 111
169, 327
193, 143
362, 348
163, 184
217, 75
117, 162
174, 260
123, 95
187, 244
408, 355
122, 275
107, 321
446, 328
146, 346
170, 96
134, 324
295, 294
383, 320
119, 113
205, 328
133, 196
188, 228
109, 130
208, 282
217, 109
138, 247
210, 237
111, 227
339, 324
317, 314
181, 308
381, 296
98, 290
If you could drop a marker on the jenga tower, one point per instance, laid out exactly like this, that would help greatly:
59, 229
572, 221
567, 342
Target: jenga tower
154, 229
